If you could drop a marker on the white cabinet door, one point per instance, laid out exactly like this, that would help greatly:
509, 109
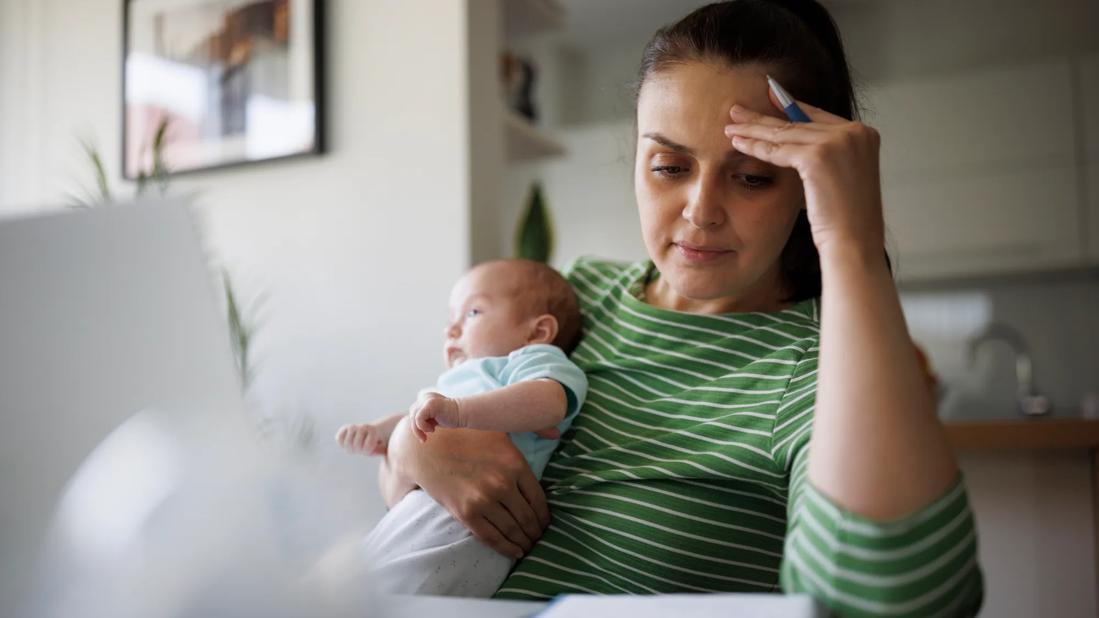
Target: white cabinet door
979, 171
1092, 171
1008, 222
1089, 79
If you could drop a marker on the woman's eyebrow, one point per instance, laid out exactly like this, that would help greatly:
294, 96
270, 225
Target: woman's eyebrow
732, 154
667, 143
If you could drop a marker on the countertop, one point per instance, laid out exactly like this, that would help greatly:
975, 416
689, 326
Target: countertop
1053, 432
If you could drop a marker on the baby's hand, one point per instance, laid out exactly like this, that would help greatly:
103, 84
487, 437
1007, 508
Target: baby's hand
432, 410
364, 438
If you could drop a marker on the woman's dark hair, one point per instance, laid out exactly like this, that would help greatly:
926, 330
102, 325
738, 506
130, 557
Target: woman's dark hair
801, 46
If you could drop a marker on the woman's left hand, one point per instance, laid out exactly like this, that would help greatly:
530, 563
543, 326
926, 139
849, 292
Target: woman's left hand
837, 160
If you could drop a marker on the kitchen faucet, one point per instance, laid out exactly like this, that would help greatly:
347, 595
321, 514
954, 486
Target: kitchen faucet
1029, 401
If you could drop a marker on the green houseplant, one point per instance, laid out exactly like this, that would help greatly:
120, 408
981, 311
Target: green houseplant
534, 235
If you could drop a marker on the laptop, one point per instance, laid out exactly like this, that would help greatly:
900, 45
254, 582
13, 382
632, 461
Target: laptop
103, 313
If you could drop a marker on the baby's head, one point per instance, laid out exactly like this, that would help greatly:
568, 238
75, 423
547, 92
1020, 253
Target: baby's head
503, 305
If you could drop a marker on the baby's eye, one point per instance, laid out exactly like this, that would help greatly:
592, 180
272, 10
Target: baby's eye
472, 313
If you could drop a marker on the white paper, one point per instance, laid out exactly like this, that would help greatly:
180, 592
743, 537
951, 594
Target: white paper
684, 606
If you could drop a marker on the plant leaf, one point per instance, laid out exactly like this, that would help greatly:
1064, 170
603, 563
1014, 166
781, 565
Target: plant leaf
534, 238
240, 336
160, 170
92, 152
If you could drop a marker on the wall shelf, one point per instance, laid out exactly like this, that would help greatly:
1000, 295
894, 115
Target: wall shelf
525, 141
523, 17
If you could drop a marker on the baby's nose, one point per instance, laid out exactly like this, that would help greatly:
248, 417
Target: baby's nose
452, 331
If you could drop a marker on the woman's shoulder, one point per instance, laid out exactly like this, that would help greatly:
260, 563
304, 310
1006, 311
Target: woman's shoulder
592, 276
587, 264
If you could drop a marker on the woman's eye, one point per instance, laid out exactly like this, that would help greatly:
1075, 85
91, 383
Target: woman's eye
472, 313
753, 182
669, 170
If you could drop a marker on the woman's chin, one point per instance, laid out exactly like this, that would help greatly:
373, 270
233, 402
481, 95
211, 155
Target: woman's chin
701, 283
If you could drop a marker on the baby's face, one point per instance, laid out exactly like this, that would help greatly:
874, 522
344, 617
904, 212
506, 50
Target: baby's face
486, 315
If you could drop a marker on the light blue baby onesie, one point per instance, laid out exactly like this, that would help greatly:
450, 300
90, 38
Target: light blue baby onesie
418, 548
480, 375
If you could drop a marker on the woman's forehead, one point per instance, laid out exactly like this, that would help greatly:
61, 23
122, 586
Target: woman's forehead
696, 96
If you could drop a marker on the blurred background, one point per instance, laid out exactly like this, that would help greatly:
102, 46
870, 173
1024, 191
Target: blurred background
440, 116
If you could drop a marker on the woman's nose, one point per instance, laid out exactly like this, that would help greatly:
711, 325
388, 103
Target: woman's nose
704, 209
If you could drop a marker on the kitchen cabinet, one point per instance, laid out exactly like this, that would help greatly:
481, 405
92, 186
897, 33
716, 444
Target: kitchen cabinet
980, 172
1089, 89
1037, 435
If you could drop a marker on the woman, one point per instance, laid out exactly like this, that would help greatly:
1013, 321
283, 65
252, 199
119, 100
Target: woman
757, 419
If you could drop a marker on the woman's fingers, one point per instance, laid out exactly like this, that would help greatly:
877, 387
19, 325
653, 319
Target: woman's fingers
506, 524
487, 533
740, 114
783, 132
535, 496
523, 513
549, 433
782, 155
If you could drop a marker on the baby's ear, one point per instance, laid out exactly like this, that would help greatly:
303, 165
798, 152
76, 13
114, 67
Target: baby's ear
543, 329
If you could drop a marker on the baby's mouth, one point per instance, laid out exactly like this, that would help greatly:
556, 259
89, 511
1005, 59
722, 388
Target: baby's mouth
454, 356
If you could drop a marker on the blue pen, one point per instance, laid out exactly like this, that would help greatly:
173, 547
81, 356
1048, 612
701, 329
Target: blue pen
793, 112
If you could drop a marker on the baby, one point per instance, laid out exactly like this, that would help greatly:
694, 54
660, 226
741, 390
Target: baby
512, 324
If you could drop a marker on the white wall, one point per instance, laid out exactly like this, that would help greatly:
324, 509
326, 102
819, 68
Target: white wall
349, 256
589, 193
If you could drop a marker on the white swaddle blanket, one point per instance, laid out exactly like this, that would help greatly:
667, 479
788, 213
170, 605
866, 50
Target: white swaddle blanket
418, 548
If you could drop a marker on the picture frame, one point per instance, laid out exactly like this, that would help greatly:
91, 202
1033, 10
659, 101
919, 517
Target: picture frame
209, 84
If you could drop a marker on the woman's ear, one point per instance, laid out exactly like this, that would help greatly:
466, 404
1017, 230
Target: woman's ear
543, 329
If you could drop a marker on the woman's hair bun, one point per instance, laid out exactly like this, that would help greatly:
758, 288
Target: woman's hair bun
819, 21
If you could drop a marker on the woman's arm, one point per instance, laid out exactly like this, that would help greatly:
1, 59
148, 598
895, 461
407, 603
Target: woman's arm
878, 522
480, 477
878, 448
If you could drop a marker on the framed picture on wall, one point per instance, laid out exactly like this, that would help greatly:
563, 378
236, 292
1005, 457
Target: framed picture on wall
213, 83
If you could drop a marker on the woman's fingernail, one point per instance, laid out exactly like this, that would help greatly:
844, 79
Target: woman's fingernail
730, 129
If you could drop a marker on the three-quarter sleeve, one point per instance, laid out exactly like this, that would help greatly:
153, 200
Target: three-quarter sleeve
924, 564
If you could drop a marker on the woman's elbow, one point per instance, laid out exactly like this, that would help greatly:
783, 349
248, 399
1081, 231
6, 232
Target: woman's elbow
904, 581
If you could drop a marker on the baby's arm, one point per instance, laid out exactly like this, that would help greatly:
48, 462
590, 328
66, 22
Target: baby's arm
526, 406
369, 438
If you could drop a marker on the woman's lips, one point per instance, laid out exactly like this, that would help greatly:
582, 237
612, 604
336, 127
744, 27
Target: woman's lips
695, 253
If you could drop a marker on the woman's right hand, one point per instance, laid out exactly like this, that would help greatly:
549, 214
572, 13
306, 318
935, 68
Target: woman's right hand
481, 478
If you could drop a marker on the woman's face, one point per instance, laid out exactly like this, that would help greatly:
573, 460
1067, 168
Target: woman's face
714, 220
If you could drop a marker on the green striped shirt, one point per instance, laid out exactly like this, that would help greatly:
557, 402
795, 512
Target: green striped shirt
685, 471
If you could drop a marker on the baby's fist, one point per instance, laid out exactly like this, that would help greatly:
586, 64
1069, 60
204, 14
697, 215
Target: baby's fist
364, 438
432, 410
